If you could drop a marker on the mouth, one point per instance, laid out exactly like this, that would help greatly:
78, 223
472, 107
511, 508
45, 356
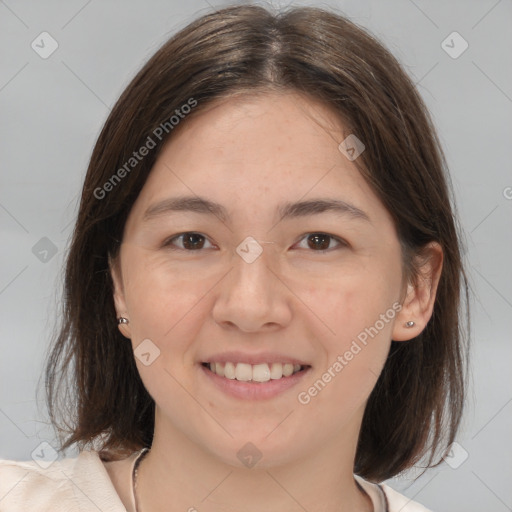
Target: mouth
257, 373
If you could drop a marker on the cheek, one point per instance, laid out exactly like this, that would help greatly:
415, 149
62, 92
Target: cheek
354, 358
167, 305
359, 310
362, 325
350, 302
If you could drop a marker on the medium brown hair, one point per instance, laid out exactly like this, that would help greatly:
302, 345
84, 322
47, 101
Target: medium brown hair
94, 391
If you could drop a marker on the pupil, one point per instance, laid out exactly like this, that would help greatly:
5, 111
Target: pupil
318, 237
191, 237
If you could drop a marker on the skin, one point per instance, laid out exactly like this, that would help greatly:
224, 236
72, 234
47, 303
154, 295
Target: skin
250, 153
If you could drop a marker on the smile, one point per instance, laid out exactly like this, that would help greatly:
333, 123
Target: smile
245, 372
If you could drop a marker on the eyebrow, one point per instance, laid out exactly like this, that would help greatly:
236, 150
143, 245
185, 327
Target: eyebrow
288, 210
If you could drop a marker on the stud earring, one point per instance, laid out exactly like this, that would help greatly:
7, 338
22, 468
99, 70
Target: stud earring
122, 320
410, 323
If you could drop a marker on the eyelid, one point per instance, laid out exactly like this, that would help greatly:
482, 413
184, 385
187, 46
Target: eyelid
168, 241
341, 241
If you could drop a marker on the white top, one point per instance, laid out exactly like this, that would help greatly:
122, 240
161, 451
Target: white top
82, 484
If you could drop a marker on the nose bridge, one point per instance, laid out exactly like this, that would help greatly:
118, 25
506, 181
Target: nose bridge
253, 262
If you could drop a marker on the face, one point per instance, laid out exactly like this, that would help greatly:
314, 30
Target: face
257, 286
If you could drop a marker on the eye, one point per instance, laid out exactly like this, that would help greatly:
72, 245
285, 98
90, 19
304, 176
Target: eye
192, 241
320, 242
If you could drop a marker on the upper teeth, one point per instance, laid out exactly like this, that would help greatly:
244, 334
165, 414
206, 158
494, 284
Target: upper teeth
256, 372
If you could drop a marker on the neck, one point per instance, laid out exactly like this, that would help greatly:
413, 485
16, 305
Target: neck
177, 475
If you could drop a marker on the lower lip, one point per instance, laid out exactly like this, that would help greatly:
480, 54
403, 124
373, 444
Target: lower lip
254, 390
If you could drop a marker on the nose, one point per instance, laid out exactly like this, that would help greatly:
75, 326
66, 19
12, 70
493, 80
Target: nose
252, 296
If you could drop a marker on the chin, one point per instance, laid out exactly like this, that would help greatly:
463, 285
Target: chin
257, 450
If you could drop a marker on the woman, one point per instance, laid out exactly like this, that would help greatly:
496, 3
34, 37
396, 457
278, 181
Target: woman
262, 291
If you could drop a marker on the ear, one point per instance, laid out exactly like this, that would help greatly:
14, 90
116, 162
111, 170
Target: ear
421, 293
119, 300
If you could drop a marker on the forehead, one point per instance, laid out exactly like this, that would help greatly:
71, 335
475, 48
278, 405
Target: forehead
268, 137
257, 151
289, 121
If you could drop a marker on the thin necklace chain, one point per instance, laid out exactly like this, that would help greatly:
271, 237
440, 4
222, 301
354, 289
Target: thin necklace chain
145, 451
141, 455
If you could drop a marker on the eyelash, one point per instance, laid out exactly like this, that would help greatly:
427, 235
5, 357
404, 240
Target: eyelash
169, 241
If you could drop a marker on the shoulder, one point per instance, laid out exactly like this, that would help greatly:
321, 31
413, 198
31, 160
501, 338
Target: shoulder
70, 484
386, 499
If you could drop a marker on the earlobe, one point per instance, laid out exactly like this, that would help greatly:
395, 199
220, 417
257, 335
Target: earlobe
420, 298
119, 300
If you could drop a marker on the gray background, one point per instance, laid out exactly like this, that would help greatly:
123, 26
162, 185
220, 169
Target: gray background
52, 110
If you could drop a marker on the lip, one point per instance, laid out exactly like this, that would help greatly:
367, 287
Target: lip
259, 358
254, 390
